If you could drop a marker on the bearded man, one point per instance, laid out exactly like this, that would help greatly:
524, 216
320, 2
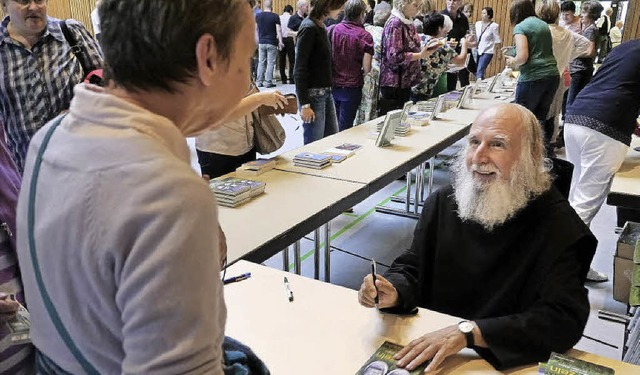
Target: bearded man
501, 248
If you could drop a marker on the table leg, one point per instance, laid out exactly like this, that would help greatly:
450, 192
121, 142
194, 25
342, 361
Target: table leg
285, 259
327, 252
432, 167
296, 255
316, 255
408, 202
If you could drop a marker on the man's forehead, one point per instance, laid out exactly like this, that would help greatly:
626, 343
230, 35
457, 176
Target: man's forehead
503, 121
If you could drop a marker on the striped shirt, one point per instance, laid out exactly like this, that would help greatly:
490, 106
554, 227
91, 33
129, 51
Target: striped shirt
37, 84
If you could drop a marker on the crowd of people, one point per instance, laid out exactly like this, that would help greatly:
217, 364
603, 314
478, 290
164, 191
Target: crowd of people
118, 241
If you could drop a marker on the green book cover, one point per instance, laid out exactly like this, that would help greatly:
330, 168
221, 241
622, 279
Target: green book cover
635, 279
562, 365
636, 253
382, 362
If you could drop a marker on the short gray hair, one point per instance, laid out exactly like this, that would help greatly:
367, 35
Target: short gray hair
380, 17
354, 9
399, 4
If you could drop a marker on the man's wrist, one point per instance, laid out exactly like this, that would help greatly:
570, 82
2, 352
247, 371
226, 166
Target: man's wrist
306, 106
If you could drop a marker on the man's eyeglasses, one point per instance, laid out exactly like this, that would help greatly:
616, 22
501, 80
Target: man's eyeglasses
28, 2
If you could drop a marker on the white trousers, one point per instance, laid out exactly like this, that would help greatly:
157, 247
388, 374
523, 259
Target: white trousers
596, 158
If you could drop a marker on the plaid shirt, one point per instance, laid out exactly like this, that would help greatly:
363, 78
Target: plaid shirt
37, 84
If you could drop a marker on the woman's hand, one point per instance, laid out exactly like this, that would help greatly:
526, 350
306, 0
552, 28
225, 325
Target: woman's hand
273, 99
8, 308
307, 115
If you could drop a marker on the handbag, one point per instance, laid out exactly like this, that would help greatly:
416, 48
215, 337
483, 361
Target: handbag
89, 72
268, 133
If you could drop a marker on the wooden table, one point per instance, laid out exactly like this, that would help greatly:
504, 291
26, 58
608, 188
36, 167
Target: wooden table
625, 187
325, 331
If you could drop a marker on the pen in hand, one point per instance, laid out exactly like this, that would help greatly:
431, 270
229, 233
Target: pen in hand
287, 289
234, 279
373, 274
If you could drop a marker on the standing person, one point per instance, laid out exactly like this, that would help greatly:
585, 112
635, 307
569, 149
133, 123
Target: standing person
437, 25
371, 90
95, 21
368, 20
604, 42
257, 7
569, 19
567, 45
597, 132
539, 76
401, 55
269, 42
616, 34
14, 359
472, 67
382, 5
288, 50
224, 148
50, 74
459, 31
581, 69
488, 36
313, 72
296, 20
123, 149
351, 54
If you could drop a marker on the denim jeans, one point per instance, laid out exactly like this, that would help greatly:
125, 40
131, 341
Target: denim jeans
266, 59
347, 101
579, 80
483, 62
537, 96
325, 122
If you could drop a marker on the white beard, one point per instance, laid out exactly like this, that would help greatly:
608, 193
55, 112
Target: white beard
491, 204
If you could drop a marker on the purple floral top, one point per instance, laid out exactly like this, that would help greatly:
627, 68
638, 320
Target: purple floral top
400, 40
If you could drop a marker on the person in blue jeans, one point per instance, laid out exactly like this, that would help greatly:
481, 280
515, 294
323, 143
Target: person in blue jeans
269, 42
312, 72
487, 36
539, 76
352, 52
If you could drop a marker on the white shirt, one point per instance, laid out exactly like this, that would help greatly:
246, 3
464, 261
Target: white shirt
615, 34
233, 138
284, 21
566, 45
127, 243
489, 39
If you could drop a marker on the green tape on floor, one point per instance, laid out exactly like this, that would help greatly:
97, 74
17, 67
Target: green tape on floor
350, 225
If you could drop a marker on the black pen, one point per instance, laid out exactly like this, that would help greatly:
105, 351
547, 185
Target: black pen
287, 289
373, 274
234, 279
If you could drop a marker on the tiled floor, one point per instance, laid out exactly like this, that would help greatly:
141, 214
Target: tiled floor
366, 234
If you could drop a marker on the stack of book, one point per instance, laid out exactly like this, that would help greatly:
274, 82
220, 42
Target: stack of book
232, 192
257, 167
312, 160
403, 129
345, 149
559, 364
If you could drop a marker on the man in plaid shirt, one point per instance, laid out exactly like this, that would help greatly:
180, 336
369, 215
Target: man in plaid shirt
38, 70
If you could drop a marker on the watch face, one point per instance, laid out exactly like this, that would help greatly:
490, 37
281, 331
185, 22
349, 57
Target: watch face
465, 327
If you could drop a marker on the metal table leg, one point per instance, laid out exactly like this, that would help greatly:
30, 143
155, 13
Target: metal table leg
285, 259
297, 262
327, 252
316, 255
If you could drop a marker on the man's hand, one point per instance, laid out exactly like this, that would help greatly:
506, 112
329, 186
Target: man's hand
387, 293
307, 115
436, 345
8, 308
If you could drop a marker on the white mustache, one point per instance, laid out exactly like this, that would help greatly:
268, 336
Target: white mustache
484, 168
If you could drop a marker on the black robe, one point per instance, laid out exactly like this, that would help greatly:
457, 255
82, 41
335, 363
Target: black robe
522, 283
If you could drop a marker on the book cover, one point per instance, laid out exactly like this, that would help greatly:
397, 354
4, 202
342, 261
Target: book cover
559, 364
382, 362
339, 151
308, 165
234, 186
349, 146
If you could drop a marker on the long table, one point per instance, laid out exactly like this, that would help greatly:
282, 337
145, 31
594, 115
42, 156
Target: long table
325, 331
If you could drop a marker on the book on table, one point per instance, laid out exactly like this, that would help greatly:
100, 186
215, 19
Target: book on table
382, 362
257, 167
339, 151
559, 364
349, 146
312, 160
232, 191
336, 158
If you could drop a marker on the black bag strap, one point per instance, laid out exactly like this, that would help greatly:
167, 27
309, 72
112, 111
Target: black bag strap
482, 31
77, 49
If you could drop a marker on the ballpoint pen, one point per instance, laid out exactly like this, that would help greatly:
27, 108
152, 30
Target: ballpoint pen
373, 274
234, 279
287, 289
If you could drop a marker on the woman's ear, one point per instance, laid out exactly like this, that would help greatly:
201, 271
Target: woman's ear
206, 59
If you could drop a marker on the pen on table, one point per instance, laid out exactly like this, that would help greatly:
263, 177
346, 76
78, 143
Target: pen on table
373, 274
287, 289
234, 279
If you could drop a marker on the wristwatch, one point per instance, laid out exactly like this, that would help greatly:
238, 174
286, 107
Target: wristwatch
466, 327
305, 106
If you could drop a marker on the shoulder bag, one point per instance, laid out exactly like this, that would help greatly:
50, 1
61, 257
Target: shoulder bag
268, 133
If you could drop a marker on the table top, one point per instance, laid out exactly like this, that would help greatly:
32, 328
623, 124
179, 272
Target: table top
292, 203
325, 331
625, 187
